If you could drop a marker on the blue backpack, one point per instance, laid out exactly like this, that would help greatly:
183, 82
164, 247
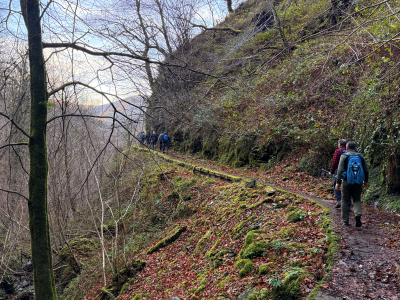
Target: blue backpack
166, 138
355, 171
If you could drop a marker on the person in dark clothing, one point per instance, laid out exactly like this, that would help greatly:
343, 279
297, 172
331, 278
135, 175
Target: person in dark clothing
154, 138
335, 163
148, 137
351, 190
161, 140
141, 137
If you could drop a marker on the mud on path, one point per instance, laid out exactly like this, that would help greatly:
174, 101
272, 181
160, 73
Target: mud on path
368, 260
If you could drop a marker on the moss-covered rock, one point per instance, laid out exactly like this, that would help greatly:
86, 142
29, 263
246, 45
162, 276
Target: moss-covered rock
281, 205
201, 242
291, 286
263, 270
245, 266
295, 216
174, 234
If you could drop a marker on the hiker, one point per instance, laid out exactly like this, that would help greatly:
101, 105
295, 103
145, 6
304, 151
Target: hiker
148, 136
154, 138
166, 142
352, 176
161, 140
141, 137
335, 163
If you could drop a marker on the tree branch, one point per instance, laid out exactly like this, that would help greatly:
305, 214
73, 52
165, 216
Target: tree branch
15, 124
16, 144
13, 192
98, 53
230, 29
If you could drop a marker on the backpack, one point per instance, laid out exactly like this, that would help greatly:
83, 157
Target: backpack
355, 171
166, 138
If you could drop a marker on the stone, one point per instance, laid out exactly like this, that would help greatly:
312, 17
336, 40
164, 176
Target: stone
175, 298
245, 294
251, 184
271, 193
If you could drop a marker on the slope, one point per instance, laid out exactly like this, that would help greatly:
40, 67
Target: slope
267, 90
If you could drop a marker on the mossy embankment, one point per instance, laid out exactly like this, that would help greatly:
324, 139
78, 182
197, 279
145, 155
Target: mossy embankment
265, 102
237, 238
193, 236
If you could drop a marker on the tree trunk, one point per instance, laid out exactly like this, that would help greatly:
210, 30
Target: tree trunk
229, 4
38, 207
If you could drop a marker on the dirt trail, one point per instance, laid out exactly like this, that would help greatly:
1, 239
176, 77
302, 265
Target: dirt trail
369, 258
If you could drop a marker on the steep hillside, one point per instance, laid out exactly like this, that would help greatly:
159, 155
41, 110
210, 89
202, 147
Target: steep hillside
292, 78
197, 237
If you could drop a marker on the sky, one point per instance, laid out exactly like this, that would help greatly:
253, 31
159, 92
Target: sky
84, 22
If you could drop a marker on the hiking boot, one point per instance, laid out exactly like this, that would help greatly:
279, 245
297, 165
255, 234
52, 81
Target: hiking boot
345, 223
358, 221
337, 205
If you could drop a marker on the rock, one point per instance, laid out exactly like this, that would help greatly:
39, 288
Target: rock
268, 200
251, 184
175, 298
25, 283
271, 193
343, 263
245, 294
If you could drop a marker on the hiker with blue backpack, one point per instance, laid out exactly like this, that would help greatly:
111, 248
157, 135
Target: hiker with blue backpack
352, 176
165, 142
335, 163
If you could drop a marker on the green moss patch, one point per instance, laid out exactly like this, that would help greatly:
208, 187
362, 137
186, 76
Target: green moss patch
172, 237
245, 266
295, 216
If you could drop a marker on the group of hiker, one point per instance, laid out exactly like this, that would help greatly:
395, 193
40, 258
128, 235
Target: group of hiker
151, 140
352, 174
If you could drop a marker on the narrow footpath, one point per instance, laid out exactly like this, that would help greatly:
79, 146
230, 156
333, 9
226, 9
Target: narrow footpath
368, 262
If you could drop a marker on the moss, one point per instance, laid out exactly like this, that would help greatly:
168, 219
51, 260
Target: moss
296, 263
140, 296
291, 208
295, 216
254, 250
263, 270
245, 266
171, 237
281, 205
201, 288
202, 241
291, 286
210, 254
239, 227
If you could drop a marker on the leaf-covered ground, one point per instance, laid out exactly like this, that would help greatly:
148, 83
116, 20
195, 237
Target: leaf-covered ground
368, 264
239, 240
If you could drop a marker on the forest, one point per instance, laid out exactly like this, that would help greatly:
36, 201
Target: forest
253, 96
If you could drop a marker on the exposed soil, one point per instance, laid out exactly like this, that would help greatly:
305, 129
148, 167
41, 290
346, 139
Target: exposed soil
368, 260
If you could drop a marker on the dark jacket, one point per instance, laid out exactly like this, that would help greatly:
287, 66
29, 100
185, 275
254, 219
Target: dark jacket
154, 137
343, 163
